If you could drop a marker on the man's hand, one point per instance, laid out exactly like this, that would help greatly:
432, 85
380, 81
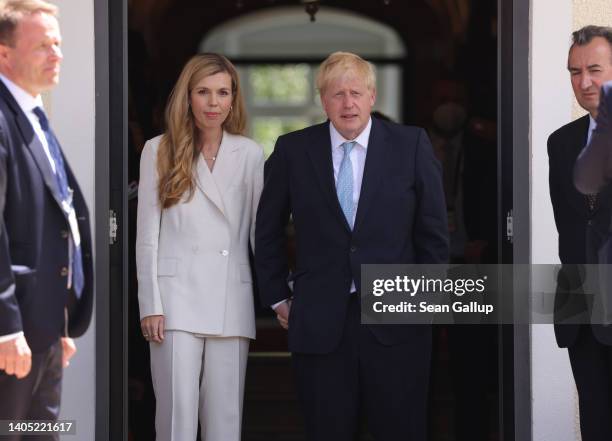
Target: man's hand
68, 350
16, 357
282, 313
153, 328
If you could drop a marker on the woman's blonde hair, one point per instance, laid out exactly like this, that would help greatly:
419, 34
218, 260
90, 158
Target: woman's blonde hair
339, 63
178, 151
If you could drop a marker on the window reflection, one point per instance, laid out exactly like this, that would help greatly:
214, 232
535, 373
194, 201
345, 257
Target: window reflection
280, 85
266, 130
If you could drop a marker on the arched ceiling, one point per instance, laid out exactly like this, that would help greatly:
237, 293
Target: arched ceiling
163, 34
172, 29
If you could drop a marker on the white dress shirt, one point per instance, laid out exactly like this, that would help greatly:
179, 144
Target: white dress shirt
358, 158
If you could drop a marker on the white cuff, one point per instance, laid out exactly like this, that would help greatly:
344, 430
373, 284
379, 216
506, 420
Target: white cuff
8, 337
276, 305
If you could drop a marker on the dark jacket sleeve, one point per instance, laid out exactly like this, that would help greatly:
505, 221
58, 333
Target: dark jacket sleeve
431, 222
10, 316
270, 236
593, 167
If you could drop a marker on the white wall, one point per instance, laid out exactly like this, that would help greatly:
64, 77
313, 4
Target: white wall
553, 390
71, 108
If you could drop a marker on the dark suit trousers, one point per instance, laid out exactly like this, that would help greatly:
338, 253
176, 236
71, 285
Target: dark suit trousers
386, 385
35, 397
592, 367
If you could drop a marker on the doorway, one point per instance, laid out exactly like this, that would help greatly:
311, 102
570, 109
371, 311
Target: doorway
431, 81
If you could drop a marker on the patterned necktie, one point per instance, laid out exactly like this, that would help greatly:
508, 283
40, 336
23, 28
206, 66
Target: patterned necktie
344, 184
591, 201
61, 180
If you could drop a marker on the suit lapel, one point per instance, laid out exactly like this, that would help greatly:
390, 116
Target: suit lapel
206, 184
210, 183
40, 157
579, 135
227, 163
575, 144
319, 152
33, 144
373, 171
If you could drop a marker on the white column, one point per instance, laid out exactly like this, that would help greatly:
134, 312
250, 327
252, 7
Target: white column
554, 399
72, 105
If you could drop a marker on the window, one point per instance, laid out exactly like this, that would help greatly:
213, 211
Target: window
280, 98
281, 95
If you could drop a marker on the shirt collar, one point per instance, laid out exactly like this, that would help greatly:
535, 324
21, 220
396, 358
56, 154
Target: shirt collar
362, 139
592, 126
26, 101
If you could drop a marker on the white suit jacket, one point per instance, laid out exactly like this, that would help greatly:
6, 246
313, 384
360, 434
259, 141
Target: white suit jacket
192, 258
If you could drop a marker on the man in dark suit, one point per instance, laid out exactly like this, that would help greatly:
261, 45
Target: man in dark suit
46, 279
359, 190
582, 223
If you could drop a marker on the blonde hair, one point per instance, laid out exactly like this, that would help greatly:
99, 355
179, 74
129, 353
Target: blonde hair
177, 149
339, 63
13, 11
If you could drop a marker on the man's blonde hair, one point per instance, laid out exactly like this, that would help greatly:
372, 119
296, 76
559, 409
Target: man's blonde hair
339, 63
13, 11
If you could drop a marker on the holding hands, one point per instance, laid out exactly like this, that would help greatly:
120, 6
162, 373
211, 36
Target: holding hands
282, 313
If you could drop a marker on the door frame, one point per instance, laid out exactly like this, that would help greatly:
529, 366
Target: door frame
514, 110
110, 27
111, 194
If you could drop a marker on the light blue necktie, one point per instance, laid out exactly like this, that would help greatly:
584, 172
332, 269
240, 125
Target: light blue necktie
344, 183
78, 278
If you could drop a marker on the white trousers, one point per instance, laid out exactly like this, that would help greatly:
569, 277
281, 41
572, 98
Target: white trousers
194, 375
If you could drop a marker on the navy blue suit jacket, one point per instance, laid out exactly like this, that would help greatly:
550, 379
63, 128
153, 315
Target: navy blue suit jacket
34, 234
401, 218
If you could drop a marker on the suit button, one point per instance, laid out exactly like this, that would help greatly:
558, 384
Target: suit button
353, 249
64, 271
65, 234
589, 223
224, 253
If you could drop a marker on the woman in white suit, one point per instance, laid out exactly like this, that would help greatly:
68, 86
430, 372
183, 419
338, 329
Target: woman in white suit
200, 184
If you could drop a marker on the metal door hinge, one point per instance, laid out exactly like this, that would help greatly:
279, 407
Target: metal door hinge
112, 224
509, 227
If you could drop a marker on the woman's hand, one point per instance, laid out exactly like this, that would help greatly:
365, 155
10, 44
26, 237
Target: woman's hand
153, 328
